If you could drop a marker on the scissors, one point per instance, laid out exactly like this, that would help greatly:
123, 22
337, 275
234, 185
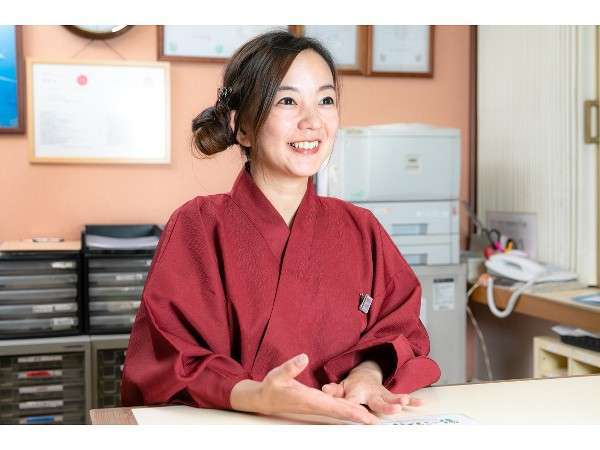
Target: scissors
493, 242
490, 233
510, 245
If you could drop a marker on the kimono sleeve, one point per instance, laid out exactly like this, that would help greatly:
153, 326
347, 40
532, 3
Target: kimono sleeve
395, 337
180, 348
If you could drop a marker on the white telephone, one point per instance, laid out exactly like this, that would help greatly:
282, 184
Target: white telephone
516, 266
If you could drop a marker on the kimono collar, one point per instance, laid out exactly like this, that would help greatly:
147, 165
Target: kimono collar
269, 223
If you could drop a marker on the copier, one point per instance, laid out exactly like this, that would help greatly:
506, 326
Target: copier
408, 176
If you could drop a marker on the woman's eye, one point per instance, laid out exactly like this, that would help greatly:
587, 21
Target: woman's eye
287, 101
328, 101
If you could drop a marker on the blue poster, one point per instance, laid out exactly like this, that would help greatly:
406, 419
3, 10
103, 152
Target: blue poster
9, 104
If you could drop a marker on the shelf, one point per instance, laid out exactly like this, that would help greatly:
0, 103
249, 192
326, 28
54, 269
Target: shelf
553, 358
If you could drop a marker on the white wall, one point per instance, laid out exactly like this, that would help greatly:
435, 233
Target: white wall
532, 82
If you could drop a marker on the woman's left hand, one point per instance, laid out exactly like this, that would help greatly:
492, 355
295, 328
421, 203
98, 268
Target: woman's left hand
363, 386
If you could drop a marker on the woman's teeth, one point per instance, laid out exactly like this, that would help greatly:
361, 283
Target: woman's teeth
305, 145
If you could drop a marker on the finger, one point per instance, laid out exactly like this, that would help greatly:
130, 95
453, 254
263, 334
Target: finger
403, 399
317, 402
328, 389
357, 394
333, 389
289, 369
357, 397
377, 404
415, 401
360, 414
345, 410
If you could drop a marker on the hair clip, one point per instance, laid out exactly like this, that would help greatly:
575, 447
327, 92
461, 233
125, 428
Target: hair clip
223, 93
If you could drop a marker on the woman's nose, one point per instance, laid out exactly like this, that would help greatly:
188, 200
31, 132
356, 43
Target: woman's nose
310, 120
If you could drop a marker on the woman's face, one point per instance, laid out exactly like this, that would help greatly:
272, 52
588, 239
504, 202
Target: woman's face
298, 134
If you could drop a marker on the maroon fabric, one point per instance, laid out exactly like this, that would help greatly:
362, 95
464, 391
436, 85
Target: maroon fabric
233, 292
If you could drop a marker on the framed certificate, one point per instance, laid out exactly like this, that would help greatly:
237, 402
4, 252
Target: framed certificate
400, 50
12, 105
347, 44
94, 112
206, 43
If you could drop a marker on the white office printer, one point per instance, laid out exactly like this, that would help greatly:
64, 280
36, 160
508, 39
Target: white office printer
408, 176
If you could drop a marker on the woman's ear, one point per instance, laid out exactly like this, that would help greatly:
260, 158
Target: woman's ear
241, 136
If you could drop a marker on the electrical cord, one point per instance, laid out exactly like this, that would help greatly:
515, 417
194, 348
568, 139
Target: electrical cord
484, 349
512, 301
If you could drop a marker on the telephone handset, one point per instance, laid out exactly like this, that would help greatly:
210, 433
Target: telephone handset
516, 266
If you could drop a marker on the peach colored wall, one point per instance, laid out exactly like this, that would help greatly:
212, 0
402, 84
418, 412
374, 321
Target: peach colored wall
57, 200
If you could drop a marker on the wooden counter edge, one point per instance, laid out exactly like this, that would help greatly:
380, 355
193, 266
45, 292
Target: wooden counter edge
542, 308
112, 416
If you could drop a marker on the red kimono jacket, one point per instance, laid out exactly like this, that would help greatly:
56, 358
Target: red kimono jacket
233, 292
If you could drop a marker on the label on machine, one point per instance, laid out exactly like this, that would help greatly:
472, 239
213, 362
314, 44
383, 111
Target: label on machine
443, 294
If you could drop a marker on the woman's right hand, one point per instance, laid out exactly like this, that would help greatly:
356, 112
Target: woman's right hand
279, 392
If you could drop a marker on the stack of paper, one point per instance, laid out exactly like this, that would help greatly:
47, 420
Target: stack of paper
139, 243
590, 299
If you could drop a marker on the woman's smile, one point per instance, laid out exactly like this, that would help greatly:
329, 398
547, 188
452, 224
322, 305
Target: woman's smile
305, 147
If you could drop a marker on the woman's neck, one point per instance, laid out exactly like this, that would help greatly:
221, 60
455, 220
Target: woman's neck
284, 193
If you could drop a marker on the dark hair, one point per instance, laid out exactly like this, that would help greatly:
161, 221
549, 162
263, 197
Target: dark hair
250, 83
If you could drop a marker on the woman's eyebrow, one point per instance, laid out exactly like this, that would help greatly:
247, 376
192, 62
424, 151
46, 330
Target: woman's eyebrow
292, 88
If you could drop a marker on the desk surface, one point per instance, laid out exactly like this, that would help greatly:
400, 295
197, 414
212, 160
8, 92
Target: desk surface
553, 306
550, 401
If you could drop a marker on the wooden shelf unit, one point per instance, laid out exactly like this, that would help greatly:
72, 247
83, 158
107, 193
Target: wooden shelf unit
553, 358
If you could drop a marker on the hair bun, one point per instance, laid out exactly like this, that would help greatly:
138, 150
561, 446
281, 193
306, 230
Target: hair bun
212, 131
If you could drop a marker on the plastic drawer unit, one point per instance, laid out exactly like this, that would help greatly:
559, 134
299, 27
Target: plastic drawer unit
116, 263
45, 381
108, 356
39, 294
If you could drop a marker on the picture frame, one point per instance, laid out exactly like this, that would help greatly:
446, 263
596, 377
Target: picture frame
99, 112
205, 43
12, 74
348, 45
401, 50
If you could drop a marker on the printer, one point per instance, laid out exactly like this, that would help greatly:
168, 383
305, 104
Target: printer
408, 176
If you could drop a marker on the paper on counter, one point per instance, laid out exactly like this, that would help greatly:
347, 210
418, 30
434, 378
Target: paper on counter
590, 299
185, 415
437, 419
139, 243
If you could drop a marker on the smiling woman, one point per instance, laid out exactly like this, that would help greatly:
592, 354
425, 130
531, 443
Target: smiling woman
259, 76
299, 131
269, 298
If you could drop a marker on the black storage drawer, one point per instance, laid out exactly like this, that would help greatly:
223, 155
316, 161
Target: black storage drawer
114, 277
40, 294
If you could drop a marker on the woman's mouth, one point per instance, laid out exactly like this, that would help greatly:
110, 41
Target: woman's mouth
305, 147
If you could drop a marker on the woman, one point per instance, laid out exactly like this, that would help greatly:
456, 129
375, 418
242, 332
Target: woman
270, 299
